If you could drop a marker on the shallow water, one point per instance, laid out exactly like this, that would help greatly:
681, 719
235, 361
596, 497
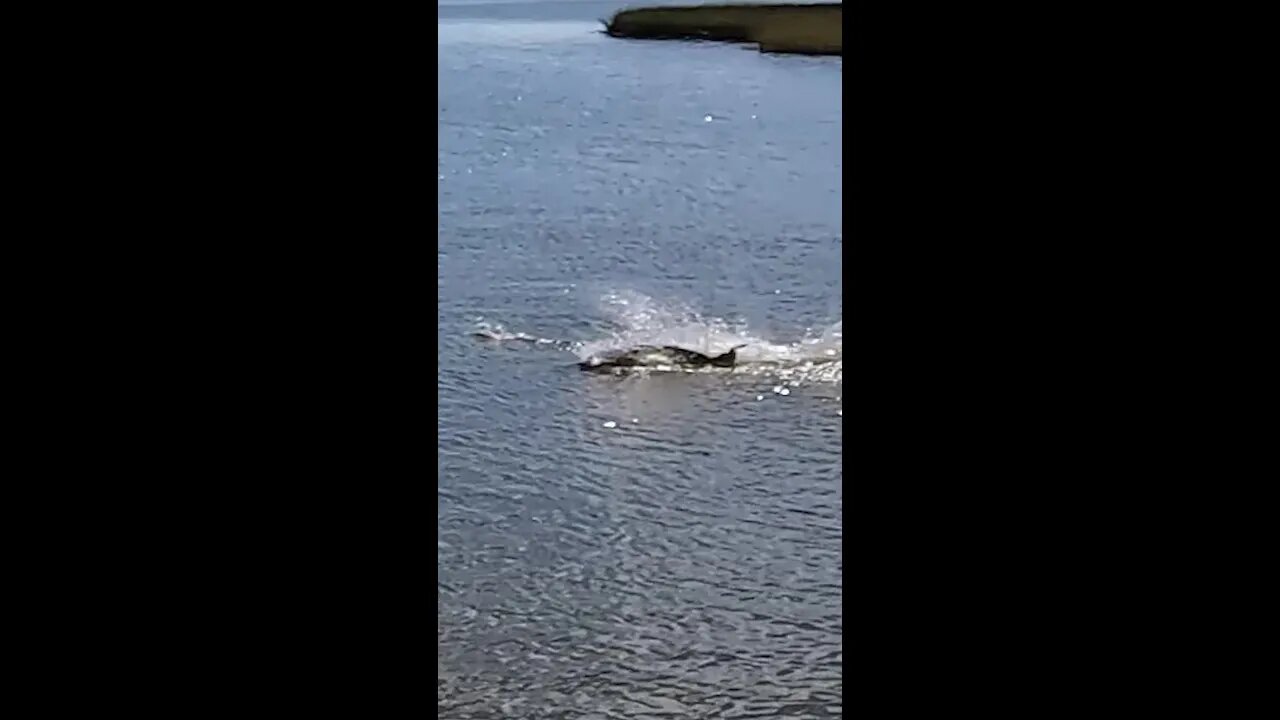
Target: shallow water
657, 543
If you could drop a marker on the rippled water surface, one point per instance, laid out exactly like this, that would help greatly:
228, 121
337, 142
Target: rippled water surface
657, 543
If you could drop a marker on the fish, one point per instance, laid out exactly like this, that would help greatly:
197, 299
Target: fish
655, 355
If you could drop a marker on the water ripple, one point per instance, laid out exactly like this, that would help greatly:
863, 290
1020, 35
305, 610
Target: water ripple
684, 560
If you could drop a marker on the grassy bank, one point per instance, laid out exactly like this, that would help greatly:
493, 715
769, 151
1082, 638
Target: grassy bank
809, 29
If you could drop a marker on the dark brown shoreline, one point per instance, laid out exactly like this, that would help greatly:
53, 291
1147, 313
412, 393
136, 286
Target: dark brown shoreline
806, 29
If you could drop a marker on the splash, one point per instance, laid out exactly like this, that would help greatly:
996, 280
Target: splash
642, 320
638, 319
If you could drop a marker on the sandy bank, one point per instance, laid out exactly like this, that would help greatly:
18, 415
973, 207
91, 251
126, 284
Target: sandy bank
809, 29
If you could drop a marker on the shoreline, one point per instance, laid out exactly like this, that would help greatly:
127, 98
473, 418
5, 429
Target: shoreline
781, 28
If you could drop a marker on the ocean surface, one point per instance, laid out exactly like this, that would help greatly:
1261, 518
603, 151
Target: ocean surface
657, 543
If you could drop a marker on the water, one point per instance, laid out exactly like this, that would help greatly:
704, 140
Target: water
655, 544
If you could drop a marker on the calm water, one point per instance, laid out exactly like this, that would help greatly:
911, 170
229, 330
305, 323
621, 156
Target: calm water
596, 193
